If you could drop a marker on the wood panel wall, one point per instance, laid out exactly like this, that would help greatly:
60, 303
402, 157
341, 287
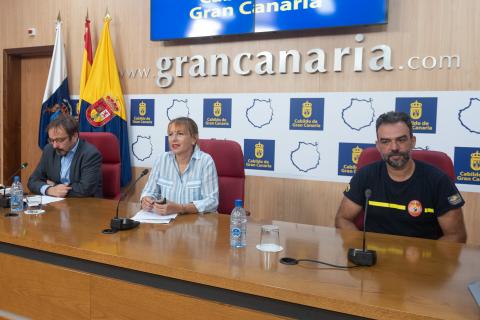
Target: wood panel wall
415, 28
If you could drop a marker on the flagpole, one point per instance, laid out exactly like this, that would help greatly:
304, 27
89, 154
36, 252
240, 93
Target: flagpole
107, 15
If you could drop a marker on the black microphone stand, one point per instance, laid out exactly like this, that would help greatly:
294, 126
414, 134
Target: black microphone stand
363, 257
122, 224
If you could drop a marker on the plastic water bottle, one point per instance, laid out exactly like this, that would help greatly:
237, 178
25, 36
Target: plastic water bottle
238, 226
16, 195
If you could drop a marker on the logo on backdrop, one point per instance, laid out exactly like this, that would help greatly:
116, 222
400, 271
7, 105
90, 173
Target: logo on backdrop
348, 155
467, 165
102, 111
259, 154
178, 108
306, 156
142, 112
306, 113
468, 116
217, 113
359, 114
422, 112
142, 148
260, 113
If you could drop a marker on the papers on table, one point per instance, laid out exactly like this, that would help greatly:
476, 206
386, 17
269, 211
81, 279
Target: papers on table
48, 199
150, 217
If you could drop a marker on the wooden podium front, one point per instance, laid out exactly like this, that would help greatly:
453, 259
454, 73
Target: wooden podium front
59, 265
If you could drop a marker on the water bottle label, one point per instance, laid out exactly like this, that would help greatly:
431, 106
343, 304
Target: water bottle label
236, 232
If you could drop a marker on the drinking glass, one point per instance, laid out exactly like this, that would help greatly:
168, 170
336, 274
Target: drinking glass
270, 239
34, 204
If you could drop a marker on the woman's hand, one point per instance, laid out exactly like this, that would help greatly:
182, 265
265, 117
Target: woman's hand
167, 208
147, 203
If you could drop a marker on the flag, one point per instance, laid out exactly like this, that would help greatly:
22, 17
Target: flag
56, 99
87, 61
103, 106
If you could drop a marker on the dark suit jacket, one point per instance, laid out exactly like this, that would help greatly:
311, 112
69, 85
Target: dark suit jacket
85, 171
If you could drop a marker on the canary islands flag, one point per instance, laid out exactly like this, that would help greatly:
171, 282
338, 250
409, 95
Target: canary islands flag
87, 61
56, 99
103, 107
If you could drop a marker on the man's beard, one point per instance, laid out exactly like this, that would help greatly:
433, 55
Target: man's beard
60, 152
400, 163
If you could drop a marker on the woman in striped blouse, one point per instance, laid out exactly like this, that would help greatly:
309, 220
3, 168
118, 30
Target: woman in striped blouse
184, 179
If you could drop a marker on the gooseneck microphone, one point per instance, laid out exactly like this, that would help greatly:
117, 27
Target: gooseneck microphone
5, 201
121, 224
363, 257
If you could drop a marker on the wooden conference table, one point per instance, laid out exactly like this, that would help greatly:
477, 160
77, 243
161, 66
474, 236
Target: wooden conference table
59, 265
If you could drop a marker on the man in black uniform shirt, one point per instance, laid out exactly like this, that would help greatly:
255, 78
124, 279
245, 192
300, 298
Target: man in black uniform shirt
409, 197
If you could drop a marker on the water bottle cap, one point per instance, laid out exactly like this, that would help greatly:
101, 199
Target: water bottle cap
239, 203
16, 179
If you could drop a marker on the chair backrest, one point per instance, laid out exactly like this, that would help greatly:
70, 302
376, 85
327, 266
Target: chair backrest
228, 158
436, 158
107, 144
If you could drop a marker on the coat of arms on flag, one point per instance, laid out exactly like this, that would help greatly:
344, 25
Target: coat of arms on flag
102, 111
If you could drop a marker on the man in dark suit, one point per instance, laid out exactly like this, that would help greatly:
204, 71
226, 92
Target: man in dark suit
69, 166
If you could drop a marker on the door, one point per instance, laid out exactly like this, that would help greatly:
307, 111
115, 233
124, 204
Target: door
34, 76
25, 75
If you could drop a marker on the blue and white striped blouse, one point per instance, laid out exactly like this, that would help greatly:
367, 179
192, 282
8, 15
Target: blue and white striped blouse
197, 185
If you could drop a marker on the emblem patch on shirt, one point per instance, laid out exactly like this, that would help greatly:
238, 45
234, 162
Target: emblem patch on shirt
455, 199
414, 208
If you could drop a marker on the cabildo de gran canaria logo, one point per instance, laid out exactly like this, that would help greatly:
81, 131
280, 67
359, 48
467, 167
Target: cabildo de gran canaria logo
356, 154
306, 113
415, 110
259, 154
475, 161
307, 109
259, 150
142, 112
348, 155
422, 112
217, 109
142, 108
217, 113
467, 165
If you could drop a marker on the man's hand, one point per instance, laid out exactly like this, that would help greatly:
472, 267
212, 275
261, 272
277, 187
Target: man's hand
59, 190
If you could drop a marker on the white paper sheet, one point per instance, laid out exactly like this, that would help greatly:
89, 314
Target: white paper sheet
150, 217
48, 199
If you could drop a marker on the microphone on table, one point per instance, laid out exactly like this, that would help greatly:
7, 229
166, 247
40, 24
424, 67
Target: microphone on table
121, 224
4, 200
363, 257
